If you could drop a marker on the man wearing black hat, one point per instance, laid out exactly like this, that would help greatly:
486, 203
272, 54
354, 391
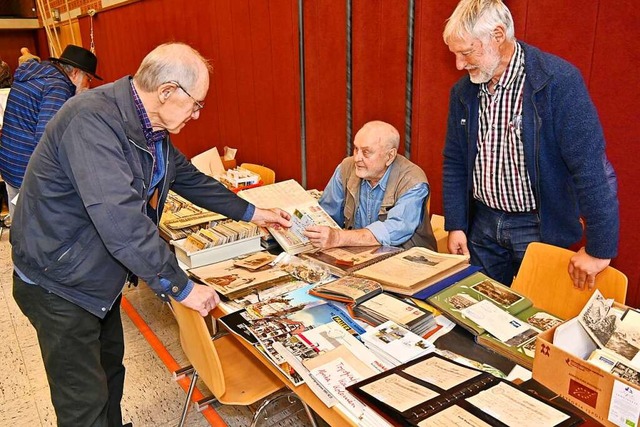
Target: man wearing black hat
39, 89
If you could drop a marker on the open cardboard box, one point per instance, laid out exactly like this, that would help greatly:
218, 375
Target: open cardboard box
600, 394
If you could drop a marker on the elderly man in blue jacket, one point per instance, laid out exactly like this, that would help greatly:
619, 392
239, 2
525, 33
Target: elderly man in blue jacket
524, 156
86, 221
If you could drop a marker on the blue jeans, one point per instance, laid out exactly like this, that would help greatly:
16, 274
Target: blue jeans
497, 240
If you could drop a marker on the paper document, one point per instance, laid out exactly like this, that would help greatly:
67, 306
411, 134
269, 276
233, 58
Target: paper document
497, 322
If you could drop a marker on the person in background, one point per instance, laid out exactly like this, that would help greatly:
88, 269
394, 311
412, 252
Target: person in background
26, 55
38, 91
377, 195
524, 155
86, 221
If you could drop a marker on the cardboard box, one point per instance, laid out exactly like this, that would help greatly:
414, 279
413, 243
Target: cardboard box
209, 162
217, 253
596, 392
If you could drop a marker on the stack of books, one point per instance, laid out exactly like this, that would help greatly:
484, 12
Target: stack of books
367, 301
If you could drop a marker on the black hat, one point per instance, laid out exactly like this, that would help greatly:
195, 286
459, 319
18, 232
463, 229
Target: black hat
81, 58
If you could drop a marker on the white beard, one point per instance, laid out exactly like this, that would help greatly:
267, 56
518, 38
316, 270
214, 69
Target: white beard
487, 71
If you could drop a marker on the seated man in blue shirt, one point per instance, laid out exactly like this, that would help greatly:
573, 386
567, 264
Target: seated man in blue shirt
377, 195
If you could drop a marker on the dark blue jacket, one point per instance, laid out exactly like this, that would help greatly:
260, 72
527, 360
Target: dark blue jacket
37, 93
564, 151
82, 221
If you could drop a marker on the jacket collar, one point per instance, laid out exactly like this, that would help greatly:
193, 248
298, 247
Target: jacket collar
126, 105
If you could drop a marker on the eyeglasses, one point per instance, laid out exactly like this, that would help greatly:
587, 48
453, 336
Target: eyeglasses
198, 104
89, 77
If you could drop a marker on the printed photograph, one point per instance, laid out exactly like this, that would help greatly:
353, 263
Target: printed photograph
625, 340
421, 259
623, 371
529, 347
543, 321
500, 295
460, 301
596, 319
254, 261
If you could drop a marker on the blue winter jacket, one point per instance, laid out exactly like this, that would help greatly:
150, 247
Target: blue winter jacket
37, 93
83, 220
564, 151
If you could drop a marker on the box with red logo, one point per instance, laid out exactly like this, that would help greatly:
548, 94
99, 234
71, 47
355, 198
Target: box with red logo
610, 399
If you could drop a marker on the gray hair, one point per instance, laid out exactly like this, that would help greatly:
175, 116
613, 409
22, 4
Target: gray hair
478, 18
170, 62
68, 69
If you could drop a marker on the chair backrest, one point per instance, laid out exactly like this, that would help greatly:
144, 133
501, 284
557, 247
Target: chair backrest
268, 176
199, 348
544, 279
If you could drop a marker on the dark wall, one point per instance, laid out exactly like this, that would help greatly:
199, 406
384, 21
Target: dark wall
253, 102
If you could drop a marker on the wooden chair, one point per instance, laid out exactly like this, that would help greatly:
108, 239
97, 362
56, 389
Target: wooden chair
268, 176
544, 279
228, 369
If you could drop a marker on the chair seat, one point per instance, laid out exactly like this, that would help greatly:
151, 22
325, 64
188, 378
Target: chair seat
238, 366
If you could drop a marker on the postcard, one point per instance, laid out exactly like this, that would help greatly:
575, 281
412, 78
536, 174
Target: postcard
398, 392
597, 319
453, 416
516, 408
254, 261
625, 339
497, 293
441, 373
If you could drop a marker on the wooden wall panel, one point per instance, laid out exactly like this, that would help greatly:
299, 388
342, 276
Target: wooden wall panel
379, 63
325, 77
434, 75
253, 98
556, 27
12, 40
616, 92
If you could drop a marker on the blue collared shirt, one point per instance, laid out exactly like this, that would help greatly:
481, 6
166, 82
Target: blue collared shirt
402, 219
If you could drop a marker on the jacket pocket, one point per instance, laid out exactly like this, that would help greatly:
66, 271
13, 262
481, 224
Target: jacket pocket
73, 258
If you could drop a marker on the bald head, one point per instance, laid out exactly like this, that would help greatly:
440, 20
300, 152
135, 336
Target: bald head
172, 62
385, 134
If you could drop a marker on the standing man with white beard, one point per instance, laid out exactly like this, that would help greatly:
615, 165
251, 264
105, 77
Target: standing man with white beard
524, 156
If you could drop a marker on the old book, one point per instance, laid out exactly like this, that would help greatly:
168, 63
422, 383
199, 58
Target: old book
232, 281
303, 208
366, 301
510, 322
413, 270
346, 260
435, 391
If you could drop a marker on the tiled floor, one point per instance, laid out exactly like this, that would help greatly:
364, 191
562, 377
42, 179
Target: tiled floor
151, 397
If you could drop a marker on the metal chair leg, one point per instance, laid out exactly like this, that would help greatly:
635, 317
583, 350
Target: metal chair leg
192, 385
289, 395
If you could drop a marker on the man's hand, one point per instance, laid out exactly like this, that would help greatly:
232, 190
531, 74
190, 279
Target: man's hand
583, 269
202, 298
270, 217
457, 242
323, 237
